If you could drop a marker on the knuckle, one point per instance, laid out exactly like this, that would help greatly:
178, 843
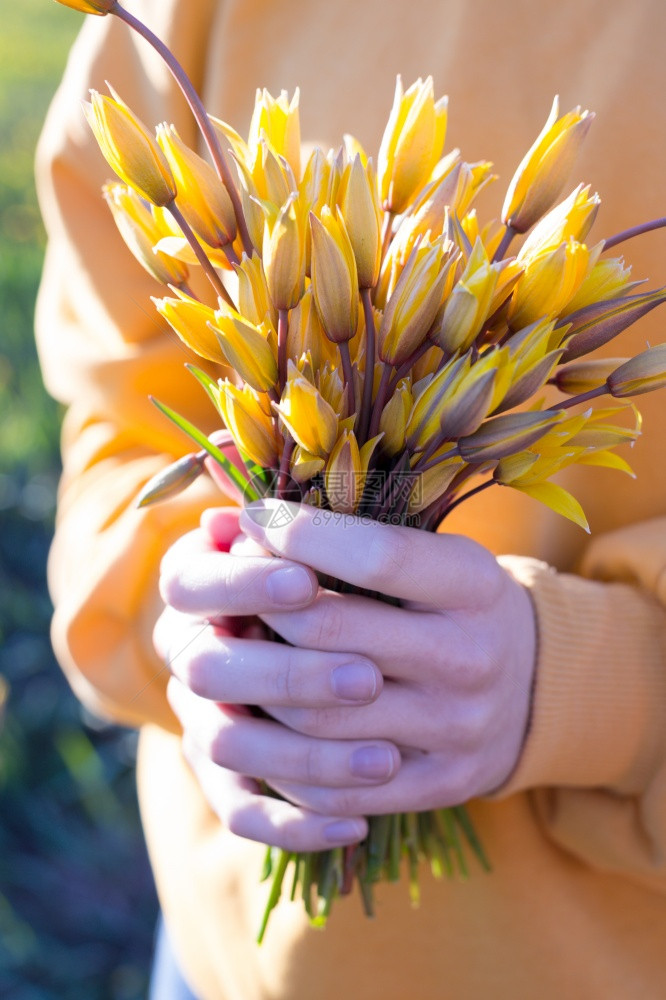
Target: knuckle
322, 625
313, 765
388, 553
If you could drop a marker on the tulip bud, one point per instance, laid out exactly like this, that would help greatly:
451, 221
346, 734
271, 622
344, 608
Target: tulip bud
393, 421
597, 324
247, 349
130, 149
343, 479
304, 466
253, 299
252, 428
284, 255
549, 281
468, 305
334, 276
413, 304
502, 436
645, 372
582, 376
100, 7
171, 481
411, 145
544, 169
571, 219
311, 421
360, 211
306, 336
141, 232
277, 121
433, 483
202, 198
191, 320
608, 279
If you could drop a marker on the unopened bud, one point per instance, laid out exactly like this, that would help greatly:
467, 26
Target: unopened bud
645, 372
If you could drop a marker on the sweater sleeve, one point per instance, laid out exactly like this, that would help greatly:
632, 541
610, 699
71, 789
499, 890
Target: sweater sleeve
594, 760
103, 351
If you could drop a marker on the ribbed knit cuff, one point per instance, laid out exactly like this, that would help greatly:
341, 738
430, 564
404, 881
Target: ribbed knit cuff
599, 709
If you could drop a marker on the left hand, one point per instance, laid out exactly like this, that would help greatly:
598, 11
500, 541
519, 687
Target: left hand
457, 656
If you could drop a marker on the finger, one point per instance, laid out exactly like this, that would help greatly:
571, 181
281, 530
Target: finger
221, 525
251, 671
210, 584
242, 808
403, 643
425, 781
443, 570
265, 749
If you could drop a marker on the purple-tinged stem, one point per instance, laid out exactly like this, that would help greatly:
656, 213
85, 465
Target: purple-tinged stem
283, 471
199, 112
369, 372
200, 253
380, 400
282, 332
407, 365
583, 397
628, 234
348, 374
505, 243
435, 517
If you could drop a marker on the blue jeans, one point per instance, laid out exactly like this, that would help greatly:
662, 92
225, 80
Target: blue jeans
166, 981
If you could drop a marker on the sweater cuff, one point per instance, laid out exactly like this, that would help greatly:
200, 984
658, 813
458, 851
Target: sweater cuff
599, 707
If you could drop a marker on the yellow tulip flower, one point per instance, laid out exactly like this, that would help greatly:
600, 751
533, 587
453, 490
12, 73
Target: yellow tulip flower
141, 232
130, 149
412, 143
413, 304
312, 421
252, 428
284, 255
277, 121
544, 169
247, 348
548, 283
334, 276
100, 7
359, 206
202, 197
191, 320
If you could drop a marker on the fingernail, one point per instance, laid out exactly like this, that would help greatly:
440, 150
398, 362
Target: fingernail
289, 586
343, 831
356, 681
371, 762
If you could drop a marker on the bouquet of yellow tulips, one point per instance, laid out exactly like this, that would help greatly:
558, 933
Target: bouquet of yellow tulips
386, 347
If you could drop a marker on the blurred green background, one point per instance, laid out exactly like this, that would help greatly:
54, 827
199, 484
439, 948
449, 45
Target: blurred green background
77, 906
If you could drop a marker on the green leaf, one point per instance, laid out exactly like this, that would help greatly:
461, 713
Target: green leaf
237, 478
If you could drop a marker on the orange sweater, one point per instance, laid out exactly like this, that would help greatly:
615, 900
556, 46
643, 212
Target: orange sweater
575, 905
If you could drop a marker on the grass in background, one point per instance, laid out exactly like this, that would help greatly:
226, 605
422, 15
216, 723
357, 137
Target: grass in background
76, 900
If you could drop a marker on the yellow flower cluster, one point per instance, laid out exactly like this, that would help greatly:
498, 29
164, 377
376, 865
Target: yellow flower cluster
376, 327
388, 355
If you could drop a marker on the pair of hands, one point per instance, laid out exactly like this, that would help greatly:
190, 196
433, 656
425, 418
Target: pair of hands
369, 707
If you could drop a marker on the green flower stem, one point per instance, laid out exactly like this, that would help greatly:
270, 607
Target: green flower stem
276, 889
628, 234
234, 474
200, 253
200, 115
